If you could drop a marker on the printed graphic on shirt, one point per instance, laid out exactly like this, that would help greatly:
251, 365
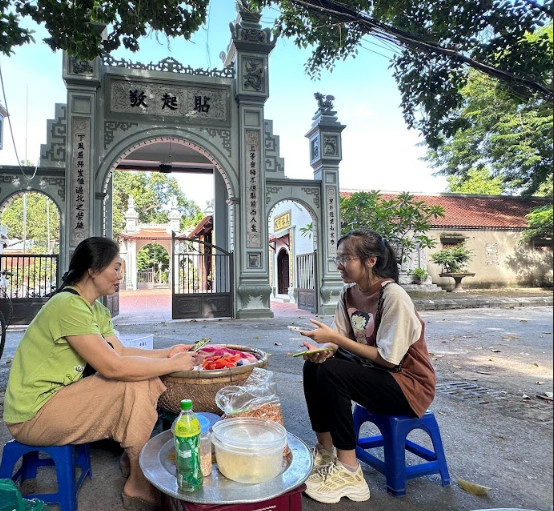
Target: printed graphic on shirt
362, 325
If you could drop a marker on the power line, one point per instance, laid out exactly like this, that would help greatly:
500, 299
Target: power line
27, 178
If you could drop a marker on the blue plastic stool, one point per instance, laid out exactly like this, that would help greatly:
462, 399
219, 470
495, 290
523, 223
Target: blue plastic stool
65, 458
394, 430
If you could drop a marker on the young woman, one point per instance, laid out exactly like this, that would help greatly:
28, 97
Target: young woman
377, 357
49, 401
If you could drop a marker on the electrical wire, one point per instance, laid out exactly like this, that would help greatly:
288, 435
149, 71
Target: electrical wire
27, 178
208, 35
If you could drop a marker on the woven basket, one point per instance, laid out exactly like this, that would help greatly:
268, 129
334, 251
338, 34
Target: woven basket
202, 386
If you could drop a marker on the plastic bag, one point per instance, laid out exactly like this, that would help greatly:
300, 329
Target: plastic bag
11, 499
257, 397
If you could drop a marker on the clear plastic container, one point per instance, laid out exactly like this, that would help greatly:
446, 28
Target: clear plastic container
249, 450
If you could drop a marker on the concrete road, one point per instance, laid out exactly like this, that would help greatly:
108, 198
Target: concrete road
494, 369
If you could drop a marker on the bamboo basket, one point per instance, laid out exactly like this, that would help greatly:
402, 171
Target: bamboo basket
202, 386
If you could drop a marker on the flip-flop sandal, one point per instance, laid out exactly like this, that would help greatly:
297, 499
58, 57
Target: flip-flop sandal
137, 504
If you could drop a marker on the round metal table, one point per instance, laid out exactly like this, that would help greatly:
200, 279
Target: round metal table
160, 470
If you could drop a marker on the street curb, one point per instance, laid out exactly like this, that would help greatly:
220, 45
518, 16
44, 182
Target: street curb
475, 303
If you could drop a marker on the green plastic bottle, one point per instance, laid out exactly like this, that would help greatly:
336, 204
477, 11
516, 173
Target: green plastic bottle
186, 434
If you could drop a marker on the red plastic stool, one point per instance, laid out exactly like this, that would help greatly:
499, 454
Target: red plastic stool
66, 458
393, 438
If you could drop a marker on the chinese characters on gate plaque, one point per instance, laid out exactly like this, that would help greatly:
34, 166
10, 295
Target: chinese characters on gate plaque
191, 103
80, 180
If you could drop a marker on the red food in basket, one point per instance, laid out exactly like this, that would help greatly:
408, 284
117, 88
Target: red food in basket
220, 361
208, 355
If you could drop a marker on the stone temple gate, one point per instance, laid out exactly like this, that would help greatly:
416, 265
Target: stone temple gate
167, 117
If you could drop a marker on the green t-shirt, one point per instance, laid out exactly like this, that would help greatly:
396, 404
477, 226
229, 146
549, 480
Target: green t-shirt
44, 361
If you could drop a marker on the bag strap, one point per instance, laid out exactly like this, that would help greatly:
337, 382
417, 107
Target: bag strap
379, 315
69, 290
380, 303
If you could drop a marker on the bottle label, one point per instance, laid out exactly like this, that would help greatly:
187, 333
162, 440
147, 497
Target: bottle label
189, 472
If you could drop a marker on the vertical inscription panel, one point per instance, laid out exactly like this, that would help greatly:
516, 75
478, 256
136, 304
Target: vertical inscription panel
80, 180
253, 217
332, 226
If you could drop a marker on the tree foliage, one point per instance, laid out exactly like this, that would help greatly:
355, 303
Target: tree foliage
539, 225
453, 259
78, 26
439, 42
402, 220
34, 217
501, 135
152, 192
475, 182
153, 256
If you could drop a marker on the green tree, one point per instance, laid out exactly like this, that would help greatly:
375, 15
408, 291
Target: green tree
78, 26
539, 223
402, 220
152, 192
34, 217
439, 42
476, 181
501, 136
153, 256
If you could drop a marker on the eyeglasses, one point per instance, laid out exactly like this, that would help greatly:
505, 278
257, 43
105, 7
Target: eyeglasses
343, 260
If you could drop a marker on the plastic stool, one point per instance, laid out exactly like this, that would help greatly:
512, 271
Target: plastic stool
65, 458
394, 430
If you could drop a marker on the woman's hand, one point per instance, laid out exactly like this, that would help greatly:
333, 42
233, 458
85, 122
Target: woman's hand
321, 334
178, 348
184, 360
319, 357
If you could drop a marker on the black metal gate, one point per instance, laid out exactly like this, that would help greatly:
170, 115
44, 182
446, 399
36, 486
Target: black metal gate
202, 280
31, 278
306, 277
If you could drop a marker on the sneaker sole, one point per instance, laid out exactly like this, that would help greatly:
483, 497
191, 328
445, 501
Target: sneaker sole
358, 495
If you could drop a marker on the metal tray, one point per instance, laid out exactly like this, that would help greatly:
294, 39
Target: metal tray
160, 470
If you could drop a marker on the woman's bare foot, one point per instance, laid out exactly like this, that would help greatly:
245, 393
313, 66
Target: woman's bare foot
147, 493
138, 486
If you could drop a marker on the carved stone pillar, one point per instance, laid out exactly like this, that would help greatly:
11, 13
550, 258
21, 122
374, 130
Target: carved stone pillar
325, 155
251, 46
82, 79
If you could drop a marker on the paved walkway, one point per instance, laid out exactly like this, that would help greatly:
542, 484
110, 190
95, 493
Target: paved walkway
153, 306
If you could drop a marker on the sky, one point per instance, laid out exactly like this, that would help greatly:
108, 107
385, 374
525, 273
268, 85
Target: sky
379, 152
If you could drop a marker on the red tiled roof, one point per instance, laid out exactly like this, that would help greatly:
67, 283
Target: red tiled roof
476, 211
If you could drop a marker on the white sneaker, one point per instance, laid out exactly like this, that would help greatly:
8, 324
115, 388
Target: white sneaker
322, 456
332, 482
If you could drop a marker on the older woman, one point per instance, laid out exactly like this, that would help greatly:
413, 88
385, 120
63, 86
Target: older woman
48, 399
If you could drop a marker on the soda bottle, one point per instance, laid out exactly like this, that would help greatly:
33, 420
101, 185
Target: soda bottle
187, 446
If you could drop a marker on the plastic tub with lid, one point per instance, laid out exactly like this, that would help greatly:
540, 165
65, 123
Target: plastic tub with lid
249, 450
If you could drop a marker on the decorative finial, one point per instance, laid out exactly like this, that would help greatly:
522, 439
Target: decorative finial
324, 102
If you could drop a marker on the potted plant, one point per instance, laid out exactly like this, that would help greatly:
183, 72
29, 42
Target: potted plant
420, 275
454, 261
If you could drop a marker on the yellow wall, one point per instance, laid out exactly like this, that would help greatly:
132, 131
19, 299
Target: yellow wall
498, 260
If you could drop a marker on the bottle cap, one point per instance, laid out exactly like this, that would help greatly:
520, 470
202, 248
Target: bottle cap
186, 404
